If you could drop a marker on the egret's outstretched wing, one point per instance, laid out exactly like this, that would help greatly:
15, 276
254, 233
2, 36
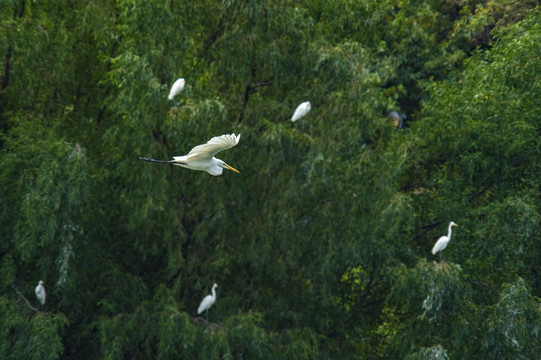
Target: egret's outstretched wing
213, 146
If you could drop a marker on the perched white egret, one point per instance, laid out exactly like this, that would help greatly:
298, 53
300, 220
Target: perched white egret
443, 241
301, 110
207, 302
202, 157
40, 292
177, 87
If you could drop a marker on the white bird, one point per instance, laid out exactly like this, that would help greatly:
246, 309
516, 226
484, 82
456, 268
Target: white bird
443, 241
177, 87
208, 301
202, 157
40, 292
301, 110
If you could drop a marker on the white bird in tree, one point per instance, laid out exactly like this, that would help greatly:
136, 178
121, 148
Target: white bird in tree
207, 302
443, 241
177, 87
301, 110
202, 157
40, 292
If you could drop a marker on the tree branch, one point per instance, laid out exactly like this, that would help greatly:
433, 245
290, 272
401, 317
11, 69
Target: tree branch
483, 285
523, 158
21, 10
5, 78
208, 324
425, 229
515, 163
24, 298
7, 64
263, 83
479, 193
251, 88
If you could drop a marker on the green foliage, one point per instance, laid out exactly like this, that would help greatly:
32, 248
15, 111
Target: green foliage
170, 333
432, 353
431, 39
321, 245
27, 335
513, 324
433, 302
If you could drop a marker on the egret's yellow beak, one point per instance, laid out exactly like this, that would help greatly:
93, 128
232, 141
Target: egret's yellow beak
455, 224
232, 168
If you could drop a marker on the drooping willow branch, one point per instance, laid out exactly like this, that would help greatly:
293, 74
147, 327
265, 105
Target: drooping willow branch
208, 324
24, 298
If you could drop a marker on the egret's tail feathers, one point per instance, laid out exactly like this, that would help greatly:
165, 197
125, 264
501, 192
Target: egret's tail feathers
154, 160
172, 162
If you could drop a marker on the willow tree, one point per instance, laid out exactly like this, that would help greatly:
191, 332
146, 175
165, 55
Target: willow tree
328, 216
277, 237
474, 158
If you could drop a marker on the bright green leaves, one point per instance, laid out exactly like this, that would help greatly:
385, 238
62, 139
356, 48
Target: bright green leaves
319, 244
52, 178
433, 300
438, 294
28, 335
170, 333
436, 352
473, 160
513, 324
481, 130
506, 238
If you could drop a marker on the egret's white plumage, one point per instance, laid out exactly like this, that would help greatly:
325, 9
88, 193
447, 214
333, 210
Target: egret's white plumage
40, 292
208, 301
177, 87
301, 110
444, 240
202, 157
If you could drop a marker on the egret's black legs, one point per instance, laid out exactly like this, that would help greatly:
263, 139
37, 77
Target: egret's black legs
161, 161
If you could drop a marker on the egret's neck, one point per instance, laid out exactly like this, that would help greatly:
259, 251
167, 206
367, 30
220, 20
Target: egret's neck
214, 292
450, 231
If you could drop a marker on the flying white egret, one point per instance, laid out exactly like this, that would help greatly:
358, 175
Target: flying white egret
207, 302
443, 241
202, 157
177, 87
40, 292
301, 110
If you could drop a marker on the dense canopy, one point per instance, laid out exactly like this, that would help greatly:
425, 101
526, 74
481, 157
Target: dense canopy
322, 243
